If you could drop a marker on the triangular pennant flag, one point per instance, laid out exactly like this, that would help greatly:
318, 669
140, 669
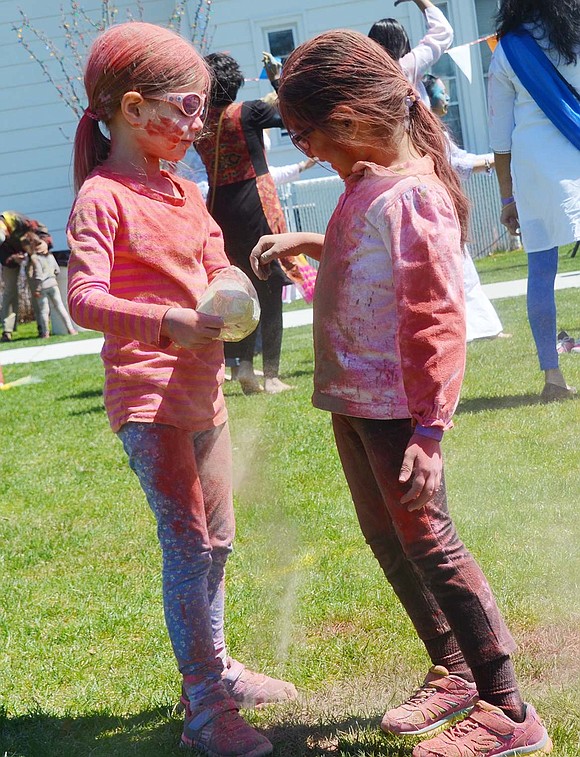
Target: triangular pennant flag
462, 58
492, 42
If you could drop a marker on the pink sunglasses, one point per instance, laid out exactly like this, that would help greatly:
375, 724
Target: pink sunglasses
191, 104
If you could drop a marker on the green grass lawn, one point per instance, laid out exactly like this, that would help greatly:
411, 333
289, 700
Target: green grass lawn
85, 663
506, 266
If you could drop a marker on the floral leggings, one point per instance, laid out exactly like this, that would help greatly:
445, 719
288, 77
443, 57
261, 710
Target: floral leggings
187, 479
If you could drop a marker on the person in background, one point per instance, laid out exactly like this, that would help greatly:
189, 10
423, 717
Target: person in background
41, 272
481, 317
534, 126
13, 227
243, 200
416, 61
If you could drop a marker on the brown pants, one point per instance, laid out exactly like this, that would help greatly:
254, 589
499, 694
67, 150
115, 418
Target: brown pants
434, 576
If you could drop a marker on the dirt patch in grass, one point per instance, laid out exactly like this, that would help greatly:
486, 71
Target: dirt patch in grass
342, 718
549, 656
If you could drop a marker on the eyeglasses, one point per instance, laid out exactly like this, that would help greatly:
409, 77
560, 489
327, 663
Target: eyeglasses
191, 104
300, 138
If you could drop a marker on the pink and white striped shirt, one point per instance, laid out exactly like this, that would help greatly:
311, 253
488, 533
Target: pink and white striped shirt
135, 253
389, 311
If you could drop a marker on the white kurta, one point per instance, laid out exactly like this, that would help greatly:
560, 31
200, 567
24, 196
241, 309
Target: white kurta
481, 318
545, 166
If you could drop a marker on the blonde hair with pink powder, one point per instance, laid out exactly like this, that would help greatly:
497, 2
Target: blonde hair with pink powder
130, 57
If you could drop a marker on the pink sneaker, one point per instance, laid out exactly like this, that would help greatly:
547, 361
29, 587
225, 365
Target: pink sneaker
488, 732
442, 698
249, 689
217, 729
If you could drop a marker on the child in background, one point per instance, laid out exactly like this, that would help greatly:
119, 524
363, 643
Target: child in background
41, 272
13, 226
389, 337
143, 250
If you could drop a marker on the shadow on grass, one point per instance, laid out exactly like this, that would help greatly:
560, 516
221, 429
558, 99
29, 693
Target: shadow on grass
21, 341
84, 395
95, 409
297, 372
39, 734
360, 737
480, 404
154, 733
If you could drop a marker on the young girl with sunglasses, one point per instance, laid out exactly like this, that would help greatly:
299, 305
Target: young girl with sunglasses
389, 337
143, 250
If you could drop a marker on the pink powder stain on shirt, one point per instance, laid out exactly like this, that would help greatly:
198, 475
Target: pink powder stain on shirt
388, 303
118, 235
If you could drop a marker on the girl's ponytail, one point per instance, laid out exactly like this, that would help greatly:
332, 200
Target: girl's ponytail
91, 147
429, 138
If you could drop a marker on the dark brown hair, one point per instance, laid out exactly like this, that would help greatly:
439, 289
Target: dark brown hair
345, 68
559, 19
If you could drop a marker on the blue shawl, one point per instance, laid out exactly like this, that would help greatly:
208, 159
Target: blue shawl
546, 85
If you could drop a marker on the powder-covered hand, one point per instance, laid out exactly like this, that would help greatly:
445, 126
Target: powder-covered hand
189, 329
422, 464
273, 246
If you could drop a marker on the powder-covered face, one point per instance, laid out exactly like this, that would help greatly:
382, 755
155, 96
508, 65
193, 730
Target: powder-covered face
169, 133
439, 99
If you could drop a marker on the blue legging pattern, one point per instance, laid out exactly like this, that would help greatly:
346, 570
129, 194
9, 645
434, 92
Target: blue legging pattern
186, 478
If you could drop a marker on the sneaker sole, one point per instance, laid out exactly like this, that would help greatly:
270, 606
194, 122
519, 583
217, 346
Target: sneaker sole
543, 747
434, 728
187, 743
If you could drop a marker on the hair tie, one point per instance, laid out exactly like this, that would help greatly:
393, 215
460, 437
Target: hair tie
410, 100
89, 113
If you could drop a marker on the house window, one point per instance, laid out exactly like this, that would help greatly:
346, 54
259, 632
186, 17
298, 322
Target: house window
485, 11
446, 70
281, 42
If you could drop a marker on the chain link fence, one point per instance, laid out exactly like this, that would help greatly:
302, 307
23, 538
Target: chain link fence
309, 204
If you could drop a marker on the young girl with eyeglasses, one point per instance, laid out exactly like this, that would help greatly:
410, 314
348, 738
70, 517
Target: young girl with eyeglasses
389, 338
143, 250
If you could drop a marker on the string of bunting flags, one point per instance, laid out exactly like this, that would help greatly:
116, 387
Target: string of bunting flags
461, 56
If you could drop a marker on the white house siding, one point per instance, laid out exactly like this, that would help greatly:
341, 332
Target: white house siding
36, 127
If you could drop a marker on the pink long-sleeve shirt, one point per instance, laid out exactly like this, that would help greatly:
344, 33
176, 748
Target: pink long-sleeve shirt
135, 253
389, 320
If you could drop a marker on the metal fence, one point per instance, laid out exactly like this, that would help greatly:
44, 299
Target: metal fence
309, 204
